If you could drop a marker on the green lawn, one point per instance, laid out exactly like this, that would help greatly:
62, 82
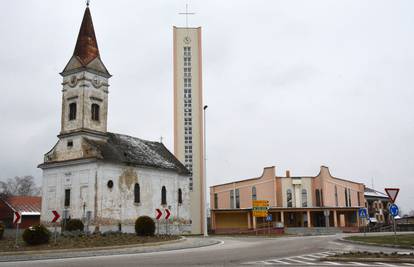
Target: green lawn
402, 240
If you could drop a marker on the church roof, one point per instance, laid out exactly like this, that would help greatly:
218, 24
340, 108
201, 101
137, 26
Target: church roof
130, 150
86, 54
86, 48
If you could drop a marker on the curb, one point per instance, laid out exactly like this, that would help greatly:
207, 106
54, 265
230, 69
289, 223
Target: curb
375, 244
388, 260
51, 251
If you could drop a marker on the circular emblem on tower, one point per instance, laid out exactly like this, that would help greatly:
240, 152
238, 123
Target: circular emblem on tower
187, 40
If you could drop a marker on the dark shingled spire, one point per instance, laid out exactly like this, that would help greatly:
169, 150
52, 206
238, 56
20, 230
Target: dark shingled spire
86, 48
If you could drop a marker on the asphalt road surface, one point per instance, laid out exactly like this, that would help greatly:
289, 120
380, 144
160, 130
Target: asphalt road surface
232, 251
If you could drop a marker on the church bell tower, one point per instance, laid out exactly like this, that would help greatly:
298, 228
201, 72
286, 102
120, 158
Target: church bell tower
85, 86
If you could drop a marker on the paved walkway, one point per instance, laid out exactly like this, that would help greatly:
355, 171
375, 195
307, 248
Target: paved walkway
188, 242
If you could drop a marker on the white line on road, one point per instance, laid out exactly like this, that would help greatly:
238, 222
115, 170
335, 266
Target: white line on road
332, 263
278, 261
301, 262
358, 263
385, 264
306, 258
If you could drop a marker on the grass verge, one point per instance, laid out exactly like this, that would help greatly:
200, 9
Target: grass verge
7, 244
404, 241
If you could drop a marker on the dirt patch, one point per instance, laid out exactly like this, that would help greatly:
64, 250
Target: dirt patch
7, 244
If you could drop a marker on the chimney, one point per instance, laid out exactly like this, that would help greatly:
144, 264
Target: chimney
288, 173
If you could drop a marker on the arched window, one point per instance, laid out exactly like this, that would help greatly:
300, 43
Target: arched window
289, 198
137, 194
163, 196
318, 198
304, 198
346, 198
180, 196
72, 111
95, 112
336, 196
254, 196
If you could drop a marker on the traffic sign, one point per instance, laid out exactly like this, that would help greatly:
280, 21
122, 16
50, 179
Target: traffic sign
394, 210
17, 217
167, 214
269, 218
56, 214
159, 214
362, 213
260, 208
392, 193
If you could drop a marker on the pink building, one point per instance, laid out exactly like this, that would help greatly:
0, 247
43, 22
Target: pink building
303, 201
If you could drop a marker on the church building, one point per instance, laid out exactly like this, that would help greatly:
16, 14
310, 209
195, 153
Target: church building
109, 177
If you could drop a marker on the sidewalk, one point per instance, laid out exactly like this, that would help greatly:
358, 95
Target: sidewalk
188, 242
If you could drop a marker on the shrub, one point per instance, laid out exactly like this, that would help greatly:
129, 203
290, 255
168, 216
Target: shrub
35, 235
73, 225
1, 229
144, 225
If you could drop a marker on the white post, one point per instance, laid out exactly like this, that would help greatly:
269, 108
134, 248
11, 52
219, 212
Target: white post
205, 177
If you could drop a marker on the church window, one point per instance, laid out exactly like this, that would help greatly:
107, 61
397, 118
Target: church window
110, 184
180, 196
70, 143
304, 198
254, 195
67, 197
289, 198
346, 198
95, 112
336, 196
237, 199
72, 111
318, 198
163, 196
137, 197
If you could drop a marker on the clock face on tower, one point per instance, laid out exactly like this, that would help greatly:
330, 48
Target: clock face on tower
187, 40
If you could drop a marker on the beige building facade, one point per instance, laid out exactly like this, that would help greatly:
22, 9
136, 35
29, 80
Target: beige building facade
294, 201
188, 115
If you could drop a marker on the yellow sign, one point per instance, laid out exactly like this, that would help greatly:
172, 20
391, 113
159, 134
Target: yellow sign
258, 213
260, 203
260, 208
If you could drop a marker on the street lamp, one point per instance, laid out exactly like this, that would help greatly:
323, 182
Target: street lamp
205, 175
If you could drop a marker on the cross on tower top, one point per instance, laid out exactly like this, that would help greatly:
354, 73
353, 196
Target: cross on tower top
186, 13
87, 2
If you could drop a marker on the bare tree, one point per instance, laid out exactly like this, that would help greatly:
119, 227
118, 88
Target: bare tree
19, 186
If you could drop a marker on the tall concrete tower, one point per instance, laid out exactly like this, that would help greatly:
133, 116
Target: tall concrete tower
188, 115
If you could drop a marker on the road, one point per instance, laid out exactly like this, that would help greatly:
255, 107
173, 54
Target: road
232, 251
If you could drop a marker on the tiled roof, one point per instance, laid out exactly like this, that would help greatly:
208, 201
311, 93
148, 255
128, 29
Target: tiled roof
135, 151
27, 205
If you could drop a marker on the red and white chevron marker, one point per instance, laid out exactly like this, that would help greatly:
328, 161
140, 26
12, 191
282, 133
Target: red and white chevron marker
167, 214
56, 214
159, 214
17, 217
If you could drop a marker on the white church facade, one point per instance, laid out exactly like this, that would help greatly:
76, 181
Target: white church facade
114, 178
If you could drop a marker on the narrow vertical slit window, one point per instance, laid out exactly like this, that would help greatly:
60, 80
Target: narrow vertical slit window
67, 197
180, 196
289, 198
163, 196
72, 111
137, 193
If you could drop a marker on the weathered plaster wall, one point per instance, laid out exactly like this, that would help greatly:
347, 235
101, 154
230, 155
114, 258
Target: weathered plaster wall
109, 206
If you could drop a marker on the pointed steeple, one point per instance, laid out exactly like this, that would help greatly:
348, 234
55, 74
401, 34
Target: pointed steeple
86, 48
86, 53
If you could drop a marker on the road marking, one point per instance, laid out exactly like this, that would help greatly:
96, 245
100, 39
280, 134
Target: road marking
408, 264
333, 263
358, 263
301, 262
385, 264
278, 261
313, 256
306, 258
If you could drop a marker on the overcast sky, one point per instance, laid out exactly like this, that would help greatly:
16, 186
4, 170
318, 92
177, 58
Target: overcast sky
294, 84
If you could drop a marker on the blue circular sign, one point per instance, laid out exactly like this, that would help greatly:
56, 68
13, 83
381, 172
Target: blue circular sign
394, 210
